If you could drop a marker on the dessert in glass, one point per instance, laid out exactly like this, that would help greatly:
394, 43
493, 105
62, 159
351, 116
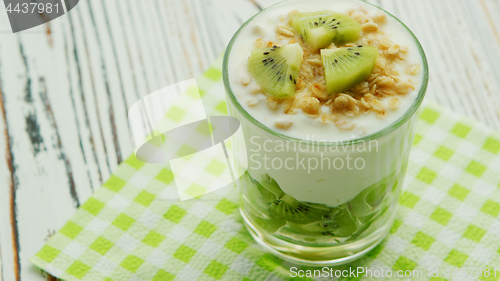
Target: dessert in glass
327, 93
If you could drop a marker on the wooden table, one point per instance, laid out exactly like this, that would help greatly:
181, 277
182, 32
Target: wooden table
66, 88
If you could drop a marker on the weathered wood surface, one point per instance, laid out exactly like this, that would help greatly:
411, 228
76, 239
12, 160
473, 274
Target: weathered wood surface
66, 87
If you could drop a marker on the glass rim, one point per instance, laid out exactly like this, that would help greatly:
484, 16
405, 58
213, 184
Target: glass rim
380, 133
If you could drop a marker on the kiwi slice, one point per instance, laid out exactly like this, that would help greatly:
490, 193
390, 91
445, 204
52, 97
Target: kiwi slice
339, 223
320, 29
271, 186
260, 218
270, 225
289, 209
362, 225
276, 69
369, 200
258, 195
347, 66
267, 196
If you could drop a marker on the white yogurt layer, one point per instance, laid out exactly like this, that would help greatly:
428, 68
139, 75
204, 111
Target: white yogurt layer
264, 27
329, 186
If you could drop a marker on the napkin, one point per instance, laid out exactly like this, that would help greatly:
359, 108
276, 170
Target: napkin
447, 218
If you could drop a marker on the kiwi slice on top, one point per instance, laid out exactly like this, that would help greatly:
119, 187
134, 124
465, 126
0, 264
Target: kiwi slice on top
347, 66
320, 29
276, 69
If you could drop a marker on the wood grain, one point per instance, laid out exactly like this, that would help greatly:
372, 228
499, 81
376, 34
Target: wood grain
65, 88
12, 189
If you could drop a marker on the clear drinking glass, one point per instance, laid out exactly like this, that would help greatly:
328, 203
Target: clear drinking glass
340, 234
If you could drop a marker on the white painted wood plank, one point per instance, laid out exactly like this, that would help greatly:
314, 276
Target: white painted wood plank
486, 54
436, 90
225, 23
448, 48
6, 254
83, 98
7, 263
94, 92
1, 265
35, 212
43, 186
488, 29
148, 30
479, 79
43, 200
209, 50
145, 58
214, 33
110, 69
172, 33
438, 59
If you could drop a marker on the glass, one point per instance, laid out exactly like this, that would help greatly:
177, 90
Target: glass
315, 234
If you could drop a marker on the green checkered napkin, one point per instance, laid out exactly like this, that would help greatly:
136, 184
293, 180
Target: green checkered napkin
448, 216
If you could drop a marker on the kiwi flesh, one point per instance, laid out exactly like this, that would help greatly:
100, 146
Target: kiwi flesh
270, 225
369, 200
264, 192
260, 197
289, 209
271, 186
260, 217
347, 66
320, 29
339, 222
276, 69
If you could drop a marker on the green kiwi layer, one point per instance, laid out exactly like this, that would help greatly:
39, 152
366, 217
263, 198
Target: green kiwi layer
270, 208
